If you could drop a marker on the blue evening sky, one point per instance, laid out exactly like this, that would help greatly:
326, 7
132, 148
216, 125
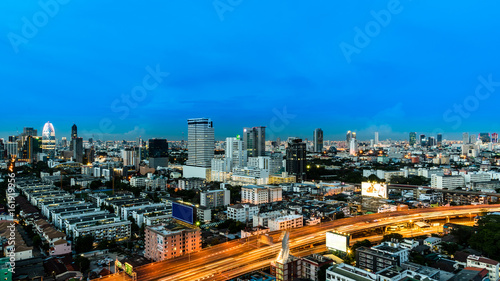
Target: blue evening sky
293, 66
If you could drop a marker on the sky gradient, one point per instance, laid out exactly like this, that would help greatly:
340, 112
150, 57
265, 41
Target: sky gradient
141, 68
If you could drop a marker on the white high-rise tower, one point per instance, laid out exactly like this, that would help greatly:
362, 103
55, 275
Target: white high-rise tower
201, 142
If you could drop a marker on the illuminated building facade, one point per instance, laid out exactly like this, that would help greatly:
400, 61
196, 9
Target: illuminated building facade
49, 140
413, 138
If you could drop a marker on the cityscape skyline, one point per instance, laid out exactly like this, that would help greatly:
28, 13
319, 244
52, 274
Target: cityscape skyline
362, 136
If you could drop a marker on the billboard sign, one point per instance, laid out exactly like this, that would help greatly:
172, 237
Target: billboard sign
373, 189
337, 241
183, 212
129, 269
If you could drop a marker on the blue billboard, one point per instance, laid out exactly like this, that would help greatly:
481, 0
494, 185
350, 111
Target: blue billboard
183, 212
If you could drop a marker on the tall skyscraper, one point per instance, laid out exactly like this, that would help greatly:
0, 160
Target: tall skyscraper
318, 140
431, 141
74, 132
128, 156
12, 148
64, 142
236, 152
74, 135
31, 147
439, 140
413, 138
422, 140
158, 153
353, 147
3, 153
28, 131
49, 140
77, 149
296, 158
201, 142
465, 138
376, 138
494, 138
485, 137
350, 135
472, 139
254, 140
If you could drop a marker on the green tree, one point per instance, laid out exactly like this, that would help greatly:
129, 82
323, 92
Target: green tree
449, 248
463, 234
95, 184
487, 236
362, 243
389, 237
374, 178
37, 240
82, 262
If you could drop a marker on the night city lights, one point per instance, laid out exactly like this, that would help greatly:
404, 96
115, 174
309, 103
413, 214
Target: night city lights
250, 141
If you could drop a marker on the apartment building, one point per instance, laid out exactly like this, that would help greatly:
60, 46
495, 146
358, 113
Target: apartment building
163, 242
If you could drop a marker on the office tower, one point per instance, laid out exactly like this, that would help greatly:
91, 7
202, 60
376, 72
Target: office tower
74, 132
473, 139
3, 153
376, 138
11, 148
465, 138
64, 142
74, 135
31, 147
28, 131
91, 140
128, 156
89, 155
158, 153
413, 138
439, 140
77, 149
353, 147
431, 141
254, 140
494, 138
296, 158
485, 137
236, 152
350, 135
201, 142
422, 140
372, 143
318, 140
49, 140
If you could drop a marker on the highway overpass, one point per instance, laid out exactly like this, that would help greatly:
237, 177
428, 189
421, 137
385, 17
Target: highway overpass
237, 257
